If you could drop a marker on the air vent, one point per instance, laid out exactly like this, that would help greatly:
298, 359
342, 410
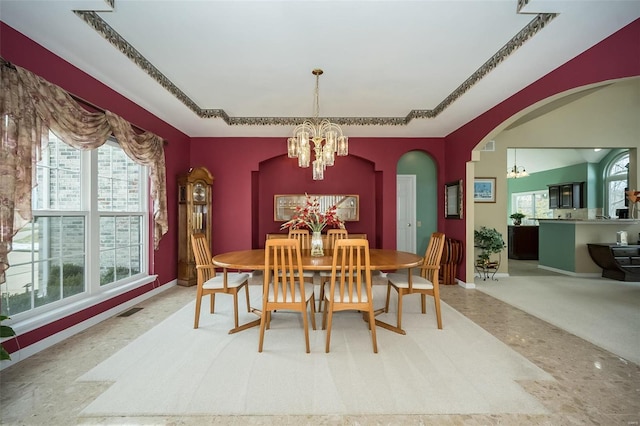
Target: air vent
489, 146
130, 312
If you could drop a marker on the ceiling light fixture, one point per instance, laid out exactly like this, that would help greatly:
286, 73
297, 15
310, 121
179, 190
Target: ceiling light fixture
516, 172
327, 138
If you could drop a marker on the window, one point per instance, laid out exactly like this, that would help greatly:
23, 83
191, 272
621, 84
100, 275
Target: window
615, 182
87, 231
534, 204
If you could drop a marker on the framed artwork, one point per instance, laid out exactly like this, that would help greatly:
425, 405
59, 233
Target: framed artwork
484, 190
453, 200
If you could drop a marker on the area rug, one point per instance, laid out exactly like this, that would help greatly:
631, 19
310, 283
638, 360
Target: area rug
176, 370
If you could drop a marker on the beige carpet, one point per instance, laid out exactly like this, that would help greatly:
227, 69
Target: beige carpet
602, 311
176, 370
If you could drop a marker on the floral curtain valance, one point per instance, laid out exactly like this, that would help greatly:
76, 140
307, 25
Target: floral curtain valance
29, 107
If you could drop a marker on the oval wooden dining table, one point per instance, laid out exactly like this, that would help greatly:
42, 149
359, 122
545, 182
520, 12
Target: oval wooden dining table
381, 259
253, 260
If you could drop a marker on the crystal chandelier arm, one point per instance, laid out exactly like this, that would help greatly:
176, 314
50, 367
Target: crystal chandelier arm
328, 139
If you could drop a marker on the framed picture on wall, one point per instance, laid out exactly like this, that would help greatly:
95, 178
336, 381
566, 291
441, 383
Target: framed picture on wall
453, 200
484, 190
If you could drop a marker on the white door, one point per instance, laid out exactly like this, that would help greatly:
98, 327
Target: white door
406, 213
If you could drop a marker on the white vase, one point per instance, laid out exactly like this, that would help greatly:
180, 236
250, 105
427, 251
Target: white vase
316, 244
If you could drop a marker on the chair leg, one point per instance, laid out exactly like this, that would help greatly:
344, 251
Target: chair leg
329, 319
246, 288
263, 321
264, 317
423, 299
386, 305
400, 296
436, 299
372, 326
235, 307
212, 308
196, 321
324, 315
321, 294
313, 312
305, 324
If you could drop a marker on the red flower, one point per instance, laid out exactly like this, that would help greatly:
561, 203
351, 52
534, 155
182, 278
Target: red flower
310, 217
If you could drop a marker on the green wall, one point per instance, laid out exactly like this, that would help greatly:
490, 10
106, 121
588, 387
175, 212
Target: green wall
591, 173
422, 165
557, 247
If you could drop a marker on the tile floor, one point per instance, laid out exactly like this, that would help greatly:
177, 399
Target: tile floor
594, 387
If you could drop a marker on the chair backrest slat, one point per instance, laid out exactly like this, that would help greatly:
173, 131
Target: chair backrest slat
202, 256
351, 257
282, 267
303, 236
433, 255
335, 234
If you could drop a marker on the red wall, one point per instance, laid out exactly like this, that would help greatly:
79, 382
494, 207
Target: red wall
349, 175
237, 163
248, 172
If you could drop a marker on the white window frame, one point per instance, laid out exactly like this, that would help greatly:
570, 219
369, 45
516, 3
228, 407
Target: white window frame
608, 178
94, 293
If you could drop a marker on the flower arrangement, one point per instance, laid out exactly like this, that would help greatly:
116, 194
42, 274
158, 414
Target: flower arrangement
310, 216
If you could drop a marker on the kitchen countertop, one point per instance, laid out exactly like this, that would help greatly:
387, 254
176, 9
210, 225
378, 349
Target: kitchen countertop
593, 221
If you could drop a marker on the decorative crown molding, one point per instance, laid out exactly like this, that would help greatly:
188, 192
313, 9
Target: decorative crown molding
113, 37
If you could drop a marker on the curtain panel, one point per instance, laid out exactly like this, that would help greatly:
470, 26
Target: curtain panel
31, 106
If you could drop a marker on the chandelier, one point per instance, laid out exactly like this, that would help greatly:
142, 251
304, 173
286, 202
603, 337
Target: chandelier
326, 136
515, 171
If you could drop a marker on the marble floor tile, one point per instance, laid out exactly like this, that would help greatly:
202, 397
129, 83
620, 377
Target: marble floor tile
592, 387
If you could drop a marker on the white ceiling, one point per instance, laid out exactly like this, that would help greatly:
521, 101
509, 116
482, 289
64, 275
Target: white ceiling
381, 59
538, 160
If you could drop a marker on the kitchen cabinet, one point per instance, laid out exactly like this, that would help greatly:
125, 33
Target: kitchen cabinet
568, 195
523, 242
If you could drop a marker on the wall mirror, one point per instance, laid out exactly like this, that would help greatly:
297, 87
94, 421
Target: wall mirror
453, 200
347, 206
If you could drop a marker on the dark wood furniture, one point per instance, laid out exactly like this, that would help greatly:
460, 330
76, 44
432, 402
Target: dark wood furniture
618, 262
566, 195
451, 257
523, 242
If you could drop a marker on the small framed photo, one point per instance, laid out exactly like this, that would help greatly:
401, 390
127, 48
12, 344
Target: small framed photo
484, 190
453, 200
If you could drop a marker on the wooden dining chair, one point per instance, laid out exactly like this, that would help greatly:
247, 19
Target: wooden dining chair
304, 237
282, 287
426, 283
332, 236
211, 283
350, 290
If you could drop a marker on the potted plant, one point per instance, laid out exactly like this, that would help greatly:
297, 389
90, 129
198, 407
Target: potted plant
489, 241
5, 331
517, 218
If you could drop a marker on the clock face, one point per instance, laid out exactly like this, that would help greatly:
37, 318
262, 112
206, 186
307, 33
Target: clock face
199, 192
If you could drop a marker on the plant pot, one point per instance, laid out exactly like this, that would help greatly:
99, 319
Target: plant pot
517, 222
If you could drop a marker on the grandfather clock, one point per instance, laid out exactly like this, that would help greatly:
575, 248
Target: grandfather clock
194, 217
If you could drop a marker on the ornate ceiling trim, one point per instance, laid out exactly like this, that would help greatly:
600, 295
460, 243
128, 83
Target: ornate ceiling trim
113, 37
